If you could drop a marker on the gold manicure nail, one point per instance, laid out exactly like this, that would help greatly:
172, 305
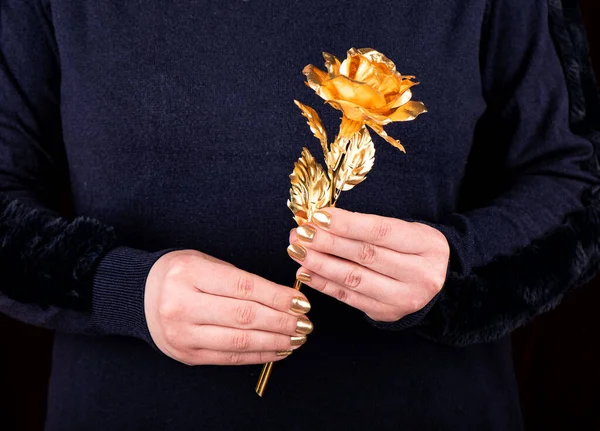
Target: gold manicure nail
284, 352
304, 326
296, 251
297, 341
304, 277
322, 218
306, 233
300, 305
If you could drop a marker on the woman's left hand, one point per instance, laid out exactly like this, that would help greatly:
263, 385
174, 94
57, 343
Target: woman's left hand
387, 268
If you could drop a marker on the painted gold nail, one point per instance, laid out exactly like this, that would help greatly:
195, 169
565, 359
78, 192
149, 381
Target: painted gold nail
306, 233
297, 341
300, 305
304, 277
284, 352
296, 251
304, 326
322, 218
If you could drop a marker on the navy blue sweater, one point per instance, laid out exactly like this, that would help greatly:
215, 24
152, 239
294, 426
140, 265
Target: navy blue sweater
171, 125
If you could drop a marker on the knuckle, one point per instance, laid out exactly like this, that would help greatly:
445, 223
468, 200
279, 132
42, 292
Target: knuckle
439, 243
168, 309
321, 285
188, 359
341, 295
353, 278
437, 240
171, 335
244, 287
436, 283
415, 303
433, 281
283, 323
245, 314
234, 358
330, 244
391, 316
367, 254
278, 298
381, 229
279, 343
241, 341
180, 265
317, 265
345, 229
202, 358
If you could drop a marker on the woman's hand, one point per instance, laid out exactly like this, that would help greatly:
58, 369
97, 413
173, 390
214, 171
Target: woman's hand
201, 310
386, 267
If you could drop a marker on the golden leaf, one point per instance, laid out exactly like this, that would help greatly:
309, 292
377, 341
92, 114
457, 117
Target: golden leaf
336, 149
310, 190
357, 163
377, 128
314, 123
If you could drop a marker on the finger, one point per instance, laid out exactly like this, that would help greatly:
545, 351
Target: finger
392, 233
399, 266
348, 274
370, 306
233, 313
243, 285
212, 357
239, 340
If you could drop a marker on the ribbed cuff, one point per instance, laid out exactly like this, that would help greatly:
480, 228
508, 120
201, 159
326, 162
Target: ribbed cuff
118, 292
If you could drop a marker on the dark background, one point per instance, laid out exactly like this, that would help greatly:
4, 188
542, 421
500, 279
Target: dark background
556, 357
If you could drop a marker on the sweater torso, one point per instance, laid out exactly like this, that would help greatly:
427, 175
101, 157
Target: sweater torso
180, 131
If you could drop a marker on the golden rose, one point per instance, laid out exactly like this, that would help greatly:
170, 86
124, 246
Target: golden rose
367, 89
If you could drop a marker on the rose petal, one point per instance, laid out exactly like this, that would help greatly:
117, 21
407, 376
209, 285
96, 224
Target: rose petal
343, 88
358, 113
388, 84
361, 69
393, 104
409, 111
402, 99
350, 110
377, 57
364, 71
377, 76
345, 66
379, 130
349, 127
350, 66
332, 63
314, 76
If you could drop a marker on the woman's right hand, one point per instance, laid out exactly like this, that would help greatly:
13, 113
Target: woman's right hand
204, 311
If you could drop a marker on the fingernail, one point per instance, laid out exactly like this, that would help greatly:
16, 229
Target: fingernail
300, 305
304, 277
284, 352
304, 326
306, 233
297, 341
322, 218
296, 251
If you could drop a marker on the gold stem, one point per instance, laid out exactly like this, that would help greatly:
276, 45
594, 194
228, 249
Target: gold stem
338, 165
264, 378
268, 367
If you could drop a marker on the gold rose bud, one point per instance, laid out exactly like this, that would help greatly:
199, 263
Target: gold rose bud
370, 93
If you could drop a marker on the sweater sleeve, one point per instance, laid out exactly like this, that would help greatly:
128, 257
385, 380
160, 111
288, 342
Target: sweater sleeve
527, 231
61, 273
